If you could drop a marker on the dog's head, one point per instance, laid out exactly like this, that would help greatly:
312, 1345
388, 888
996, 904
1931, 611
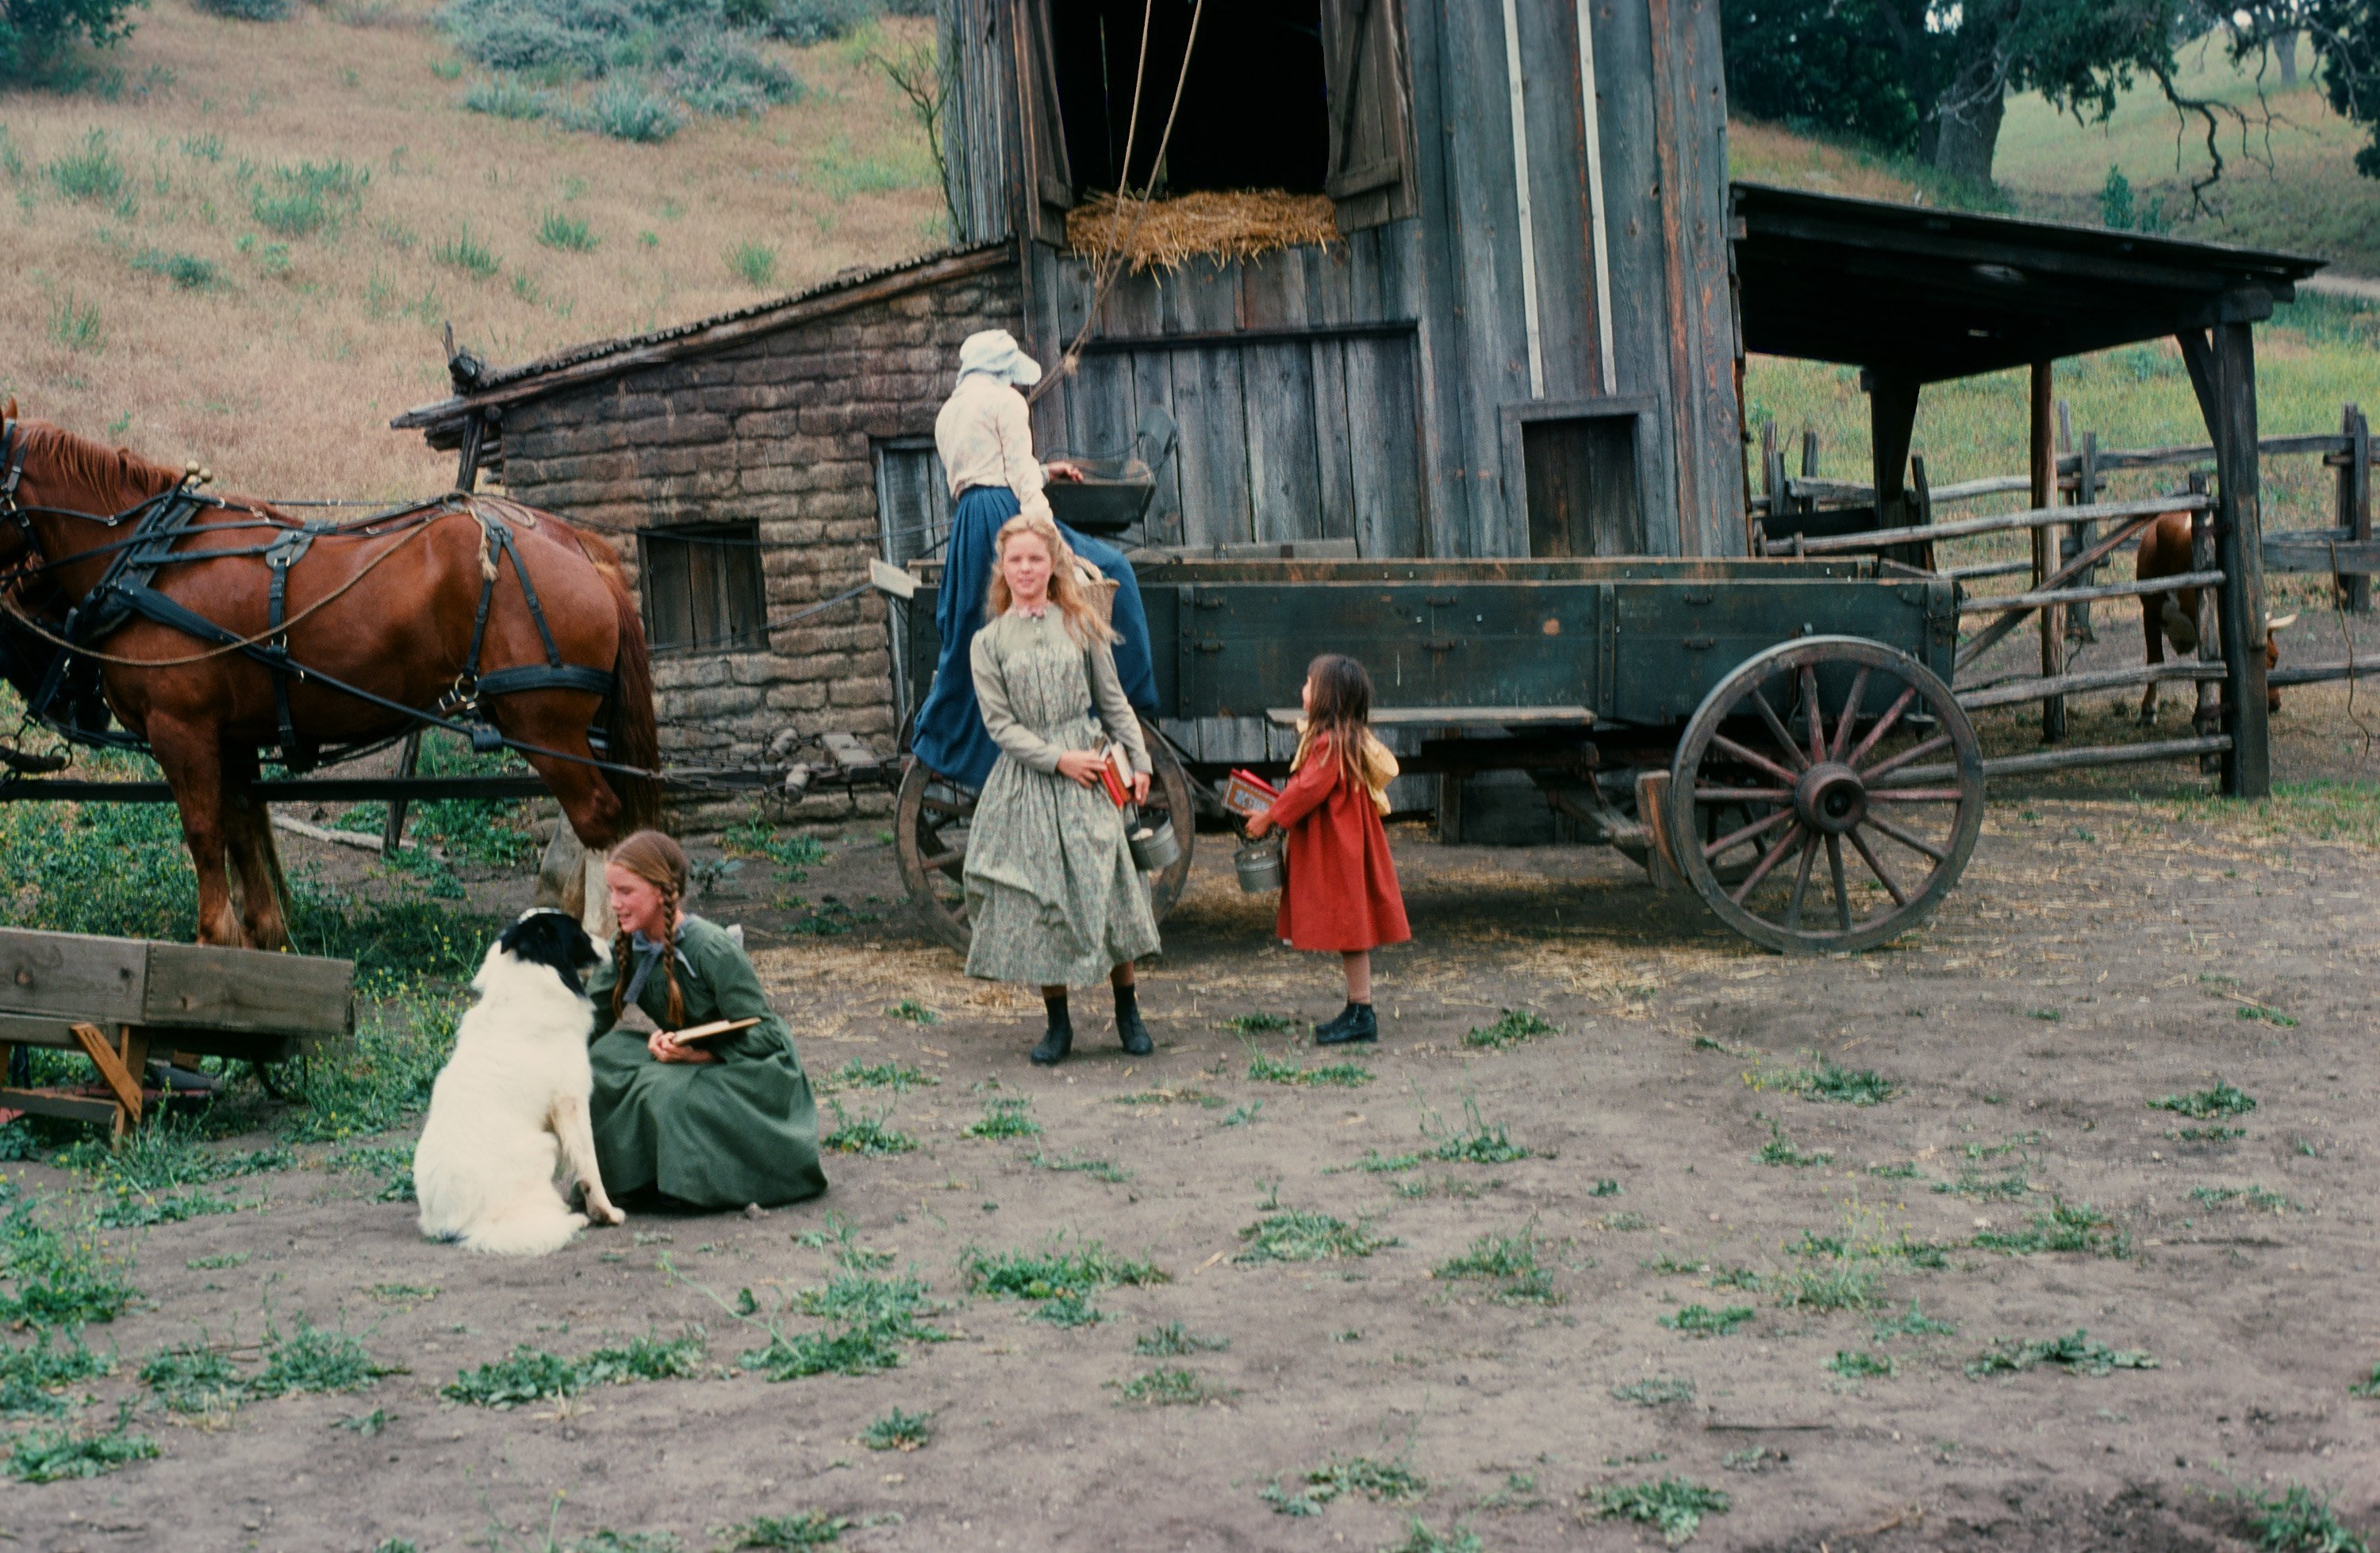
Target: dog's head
552, 939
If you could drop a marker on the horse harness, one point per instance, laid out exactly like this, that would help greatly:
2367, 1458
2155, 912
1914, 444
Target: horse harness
127, 589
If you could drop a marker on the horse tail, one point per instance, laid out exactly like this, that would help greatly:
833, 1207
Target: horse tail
629, 726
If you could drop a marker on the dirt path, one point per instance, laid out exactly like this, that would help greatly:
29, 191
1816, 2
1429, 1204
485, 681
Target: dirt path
2100, 955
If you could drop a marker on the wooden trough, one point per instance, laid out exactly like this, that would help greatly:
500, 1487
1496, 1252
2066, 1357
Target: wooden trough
117, 999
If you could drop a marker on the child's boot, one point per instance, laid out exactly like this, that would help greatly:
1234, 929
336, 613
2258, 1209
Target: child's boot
1129, 1027
1325, 1033
1059, 1039
1358, 1023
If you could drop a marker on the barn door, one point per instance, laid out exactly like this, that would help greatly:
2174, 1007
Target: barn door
1048, 177
1371, 178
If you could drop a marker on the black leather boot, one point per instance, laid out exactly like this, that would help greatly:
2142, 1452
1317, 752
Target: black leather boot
1129, 1027
1328, 1030
1059, 1039
1358, 1023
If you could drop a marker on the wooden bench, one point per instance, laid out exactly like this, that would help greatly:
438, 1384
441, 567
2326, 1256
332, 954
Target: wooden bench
117, 999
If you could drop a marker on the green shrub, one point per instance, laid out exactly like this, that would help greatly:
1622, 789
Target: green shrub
36, 36
503, 97
808, 22
756, 262
247, 10
567, 232
466, 252
32, 1376
1673, 1504
188, 273
91, 172
55, 1455
625, 111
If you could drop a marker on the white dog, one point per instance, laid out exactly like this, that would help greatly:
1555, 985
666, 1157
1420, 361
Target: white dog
514, 1096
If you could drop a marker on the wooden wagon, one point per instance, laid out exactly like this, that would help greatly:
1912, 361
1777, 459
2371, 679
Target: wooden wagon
118, 1000
1780, 733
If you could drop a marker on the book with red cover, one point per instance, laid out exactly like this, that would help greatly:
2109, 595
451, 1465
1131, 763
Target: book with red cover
1244, 792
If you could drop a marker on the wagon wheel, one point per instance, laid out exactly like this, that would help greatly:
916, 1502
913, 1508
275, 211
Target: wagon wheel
1832, 768
932, 817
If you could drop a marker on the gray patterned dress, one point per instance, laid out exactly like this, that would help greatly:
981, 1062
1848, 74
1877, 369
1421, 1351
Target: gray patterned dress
1051, 889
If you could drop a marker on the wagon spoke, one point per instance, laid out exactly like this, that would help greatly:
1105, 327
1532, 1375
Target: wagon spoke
1777, 729
1851, 713
1744, 795
1842, 890
1882, 725
1801, 888
1914, 753
1876, 867
1736, 838
1752, 757
1908, 838
1916, 795
943, 861
1760, 870
942, 806
1814, 716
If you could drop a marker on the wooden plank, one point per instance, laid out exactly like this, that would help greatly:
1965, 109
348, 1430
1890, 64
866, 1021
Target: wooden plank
1334, 475
2001, 522
2311, 552
1284, 491
1211, 407
97, 1046
2072, 760
58, 1103
78, 975
201, 987
55, 1031
1457, 716
2321, 673
1493, 359
1384, 441
1272, 290
2036, 599
1142, 337
2076, 684
1152, 384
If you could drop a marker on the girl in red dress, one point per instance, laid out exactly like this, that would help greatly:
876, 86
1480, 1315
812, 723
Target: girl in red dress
1341, 894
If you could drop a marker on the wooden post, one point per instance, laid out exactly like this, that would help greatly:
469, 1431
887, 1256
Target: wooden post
2086, 491
1810, 455
1653, 812
2043, 474
392, 835
2355, 506
1921, 506
2240, 550
2208, 709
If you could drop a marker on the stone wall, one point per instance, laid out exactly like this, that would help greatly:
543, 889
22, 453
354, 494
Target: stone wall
776, 431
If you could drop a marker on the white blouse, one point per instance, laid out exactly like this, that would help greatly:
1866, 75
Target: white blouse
985, 436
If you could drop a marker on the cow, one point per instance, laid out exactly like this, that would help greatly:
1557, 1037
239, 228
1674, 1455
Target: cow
2174, 616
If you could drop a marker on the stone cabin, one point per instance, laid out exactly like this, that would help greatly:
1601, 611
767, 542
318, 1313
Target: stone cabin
739, 463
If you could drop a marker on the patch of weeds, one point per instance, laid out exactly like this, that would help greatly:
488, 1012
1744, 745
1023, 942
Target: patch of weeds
141, 1213
1780, 1150
1018, 1274
57, 1282
1848, 1086
854, 1351
2263, 1015
2205, 1104
1510, 1260
1389, 1482
898, 1077
899, 1431
2074, 1353
1673, 1504
1625, 1221
192, 1378
1701, 1321
32, 1376
527, 1375
865, 1135
315, 1359
1004, 1119
1168, 1097
1259, 1023
89, 172
1660, 1392
1674, 1266
368, 1424
568, 233
1837, 1289
647, 1358
1985, 1188
2368, 1387
1172, 1341
57, 1454
1477, 1144
1165, 1388
400, 1293
1376, 1163
914, 1012
2259, 1198
76, 324
791, 857
392, 1163
1240, 1116
1297, 1236
1098, 1170
1419, 1539
2068, 1226
1911, 1323
603, 1539
754, 262
2204, 1134
1737, 1277
1606, 1187
2299, 1520
1857, 1363
1904, 1171
1513, 1027
1069, 1311
466, 252
1344, 1075
810, 1528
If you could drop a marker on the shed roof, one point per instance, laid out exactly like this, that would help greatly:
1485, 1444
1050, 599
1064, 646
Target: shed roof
442, 420
1937, 294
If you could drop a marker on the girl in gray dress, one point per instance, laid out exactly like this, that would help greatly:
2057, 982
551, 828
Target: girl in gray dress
1051, 887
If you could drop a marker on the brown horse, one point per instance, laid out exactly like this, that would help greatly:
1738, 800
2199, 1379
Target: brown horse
401, 631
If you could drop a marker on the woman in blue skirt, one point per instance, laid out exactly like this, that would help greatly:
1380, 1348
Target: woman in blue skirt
985, 436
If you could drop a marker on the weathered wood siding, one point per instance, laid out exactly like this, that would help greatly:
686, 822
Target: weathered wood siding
1414, 336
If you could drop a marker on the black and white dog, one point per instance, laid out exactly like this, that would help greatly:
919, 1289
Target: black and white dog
514, 1097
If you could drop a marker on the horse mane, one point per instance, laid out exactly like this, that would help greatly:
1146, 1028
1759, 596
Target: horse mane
117, 475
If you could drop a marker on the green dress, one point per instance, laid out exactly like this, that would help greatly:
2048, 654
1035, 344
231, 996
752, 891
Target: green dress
715, 1134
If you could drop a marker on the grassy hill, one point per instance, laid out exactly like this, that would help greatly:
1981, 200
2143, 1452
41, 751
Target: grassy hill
238, 243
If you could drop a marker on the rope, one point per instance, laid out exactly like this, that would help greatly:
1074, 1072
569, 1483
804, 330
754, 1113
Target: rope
9, 603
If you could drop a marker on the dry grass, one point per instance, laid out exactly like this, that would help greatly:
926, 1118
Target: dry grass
282, 373
1238, 225
1768, 153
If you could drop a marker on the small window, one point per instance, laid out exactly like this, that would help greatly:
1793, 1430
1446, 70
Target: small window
702, 588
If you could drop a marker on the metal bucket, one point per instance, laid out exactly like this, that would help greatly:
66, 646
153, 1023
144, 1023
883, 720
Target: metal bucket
1259, 866
1154, 848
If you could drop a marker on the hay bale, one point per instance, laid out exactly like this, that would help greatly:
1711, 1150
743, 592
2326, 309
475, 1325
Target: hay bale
1240, 224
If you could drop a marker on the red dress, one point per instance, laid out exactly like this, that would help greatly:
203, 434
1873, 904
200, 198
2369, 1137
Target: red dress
1341, 893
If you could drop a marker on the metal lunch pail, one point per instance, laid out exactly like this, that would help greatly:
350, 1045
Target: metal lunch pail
1259, 866
1154, 848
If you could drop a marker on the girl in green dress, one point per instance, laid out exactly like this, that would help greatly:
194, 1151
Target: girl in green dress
718, 1123
1052, 891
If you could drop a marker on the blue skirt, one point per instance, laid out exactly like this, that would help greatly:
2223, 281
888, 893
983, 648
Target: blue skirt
949, 735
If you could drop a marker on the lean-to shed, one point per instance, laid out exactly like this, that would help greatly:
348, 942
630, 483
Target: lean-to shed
1521, 339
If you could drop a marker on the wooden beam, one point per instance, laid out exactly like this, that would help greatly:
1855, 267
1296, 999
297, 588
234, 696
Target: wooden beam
1892, 424
2092, 554
2355, 506
2317, 552
119, 1079
2022, 690
2240, 552
2042, 473
2070, 760
2000, 522
2049, 599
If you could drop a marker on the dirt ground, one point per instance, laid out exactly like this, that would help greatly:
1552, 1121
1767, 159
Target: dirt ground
2102, 952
